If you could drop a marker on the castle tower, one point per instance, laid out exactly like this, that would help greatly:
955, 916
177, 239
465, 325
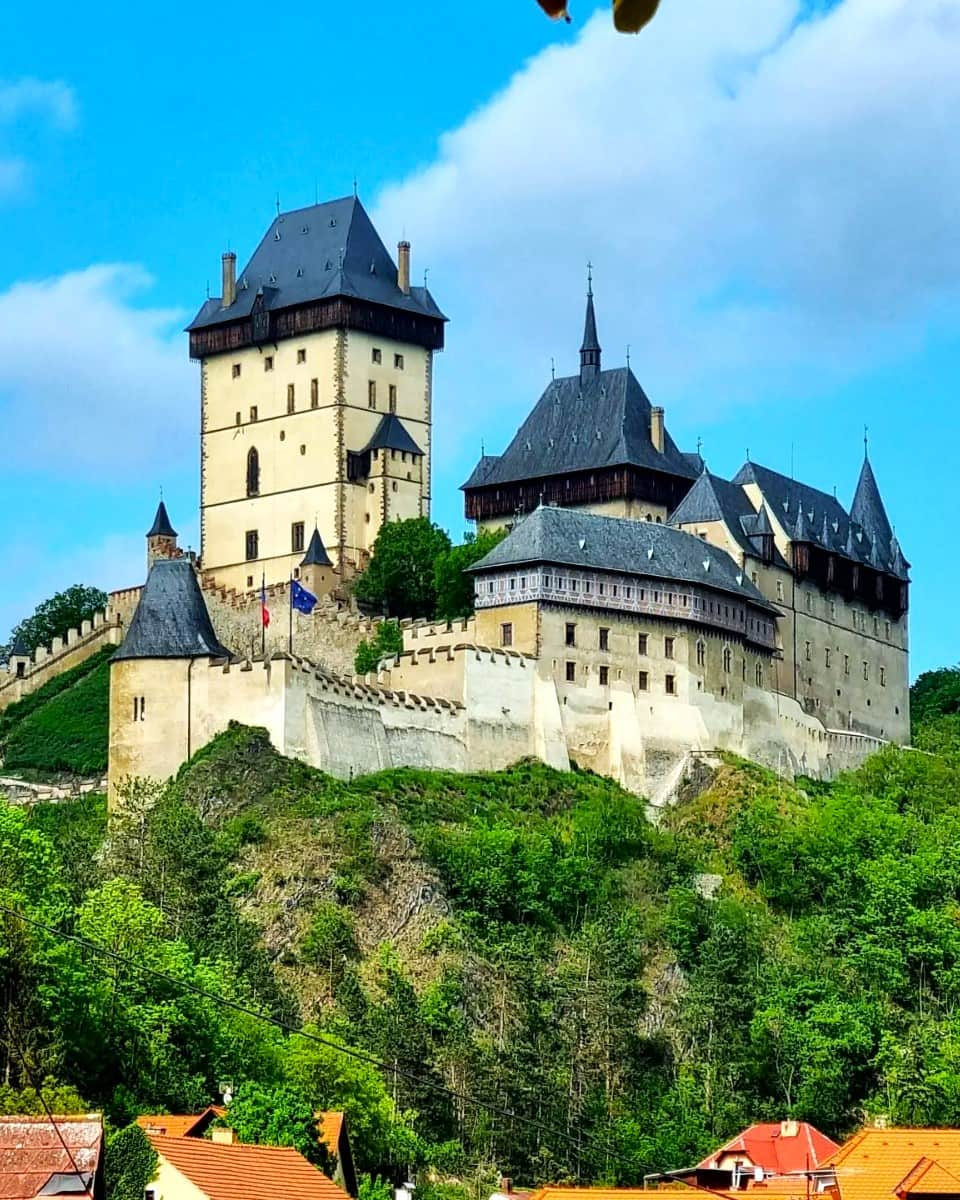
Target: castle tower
20, 657
316, 569
316, 396
161, 538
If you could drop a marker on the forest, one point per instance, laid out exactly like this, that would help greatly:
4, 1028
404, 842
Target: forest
513, 972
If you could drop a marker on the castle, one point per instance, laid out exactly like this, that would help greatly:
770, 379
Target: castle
640, 613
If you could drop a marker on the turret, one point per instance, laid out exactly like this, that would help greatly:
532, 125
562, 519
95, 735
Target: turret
590, 349
20, 657
161, 538
867, 509
316, 569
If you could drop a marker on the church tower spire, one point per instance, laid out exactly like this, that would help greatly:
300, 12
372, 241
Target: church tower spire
590, 350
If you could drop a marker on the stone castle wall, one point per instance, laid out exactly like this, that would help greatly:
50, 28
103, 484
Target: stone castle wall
104, 629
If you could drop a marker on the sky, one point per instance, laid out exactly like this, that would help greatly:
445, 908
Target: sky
767, 191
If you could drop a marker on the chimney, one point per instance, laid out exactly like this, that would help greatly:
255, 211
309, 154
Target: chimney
506, 1185
403, 267
789, 1129
228, 291
223, 1137
656, 429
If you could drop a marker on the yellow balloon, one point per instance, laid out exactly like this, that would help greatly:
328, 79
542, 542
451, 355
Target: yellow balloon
630, 16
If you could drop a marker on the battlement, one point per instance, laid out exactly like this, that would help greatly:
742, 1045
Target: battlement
24, 677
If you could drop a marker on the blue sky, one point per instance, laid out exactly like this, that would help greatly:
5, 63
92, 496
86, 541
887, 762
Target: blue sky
768, 196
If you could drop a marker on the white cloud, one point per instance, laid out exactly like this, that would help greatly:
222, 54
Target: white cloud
764, 198
52, 99
89, 379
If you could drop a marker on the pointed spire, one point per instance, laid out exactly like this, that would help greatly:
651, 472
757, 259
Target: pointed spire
800, 531
590, 350
867, 509
161, 526
763, 525
899, 564
850, 545
316, 555
20, 649
825, 531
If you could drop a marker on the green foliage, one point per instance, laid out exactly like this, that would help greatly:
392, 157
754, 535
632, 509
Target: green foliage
400, 580
330, 943
52, 618
13, 714
386, 642
67, 732
276, 1116
130, 1164
454, 588
935, 694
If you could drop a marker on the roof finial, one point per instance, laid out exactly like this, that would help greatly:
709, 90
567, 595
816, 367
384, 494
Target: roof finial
278, 204
589, 278
553, 367
355, 187
699, 446
866, 433
748, 454
483, 449
628, 354
426, 272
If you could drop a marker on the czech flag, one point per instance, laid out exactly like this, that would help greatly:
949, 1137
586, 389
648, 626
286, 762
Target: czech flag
264, 611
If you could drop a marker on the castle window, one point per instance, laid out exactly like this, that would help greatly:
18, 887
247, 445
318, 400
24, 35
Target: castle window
701, 654
571, 634
548, 581
668, 647
779, 589
268, 363
886, 630
571, 672
755, 577
866, 669
398, 361
490, 587
252, 545
523, 581
604, 639
513, 583
846, 664
303, 449
883, 676
506, 634
366, 518
253, 473
826, 656
670, 685
314, 393
376, 355
393, 397
727, 658
628, 592
643, 681
759, 674
291, 398
249, 581
574, 584
613, 589
670, 597
239, 418
296, 537
21, 670
642, 643
604, 676
372, 393
253, 412
394, 485
806, 651
235, 370
743, 670
301, 356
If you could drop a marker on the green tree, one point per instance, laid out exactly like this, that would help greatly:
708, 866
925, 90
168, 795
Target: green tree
330, 943
386, 642
276, 1116
52, 618
400, 580
130, 1164
454, 587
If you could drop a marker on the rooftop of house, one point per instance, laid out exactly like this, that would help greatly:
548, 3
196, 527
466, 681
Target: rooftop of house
238, 1172
780, 1147
34, 1161
572, 537
180, 1125
882, 1164
171, 620
330, 1126
317, 253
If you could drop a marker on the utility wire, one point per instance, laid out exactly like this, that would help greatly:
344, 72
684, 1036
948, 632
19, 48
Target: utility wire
360, 1055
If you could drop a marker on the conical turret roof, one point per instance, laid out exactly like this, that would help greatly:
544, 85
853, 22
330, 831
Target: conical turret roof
316, 555
867, 509
161, 526
590, 347
20, 649
171, 620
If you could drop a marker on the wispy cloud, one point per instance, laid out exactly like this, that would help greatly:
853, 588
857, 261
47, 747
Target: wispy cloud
52, 102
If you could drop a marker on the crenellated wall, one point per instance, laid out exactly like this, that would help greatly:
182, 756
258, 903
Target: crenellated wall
104, 629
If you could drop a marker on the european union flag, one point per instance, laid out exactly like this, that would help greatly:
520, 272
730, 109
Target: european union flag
300, 599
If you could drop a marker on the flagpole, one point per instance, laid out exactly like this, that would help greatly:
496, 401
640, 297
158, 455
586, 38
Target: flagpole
263, 625
290, 642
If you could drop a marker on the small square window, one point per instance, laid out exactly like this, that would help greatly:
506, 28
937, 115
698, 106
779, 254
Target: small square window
670, 684
571, 634
253, 412
668, 648
604, 639
376, 355
314, 393
506, 634
571, 672
604, 676
398, 361
301, 356
644, 681
249, 581
268, 363
642, 643
235, 371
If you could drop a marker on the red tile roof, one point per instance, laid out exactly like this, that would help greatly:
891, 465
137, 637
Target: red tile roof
31, 1152
237, 1172
560, 1192
880, 1164
176, 1125
777, 1148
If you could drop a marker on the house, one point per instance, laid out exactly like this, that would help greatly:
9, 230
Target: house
895, 1164
332, 1127
771, 1148
195, 1168
50, 1158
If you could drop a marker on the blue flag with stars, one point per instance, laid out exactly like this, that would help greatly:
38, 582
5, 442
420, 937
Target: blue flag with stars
300, 599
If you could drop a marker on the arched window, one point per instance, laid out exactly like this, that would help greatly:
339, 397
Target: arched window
759, 674
727, 657
253, 472
701, 653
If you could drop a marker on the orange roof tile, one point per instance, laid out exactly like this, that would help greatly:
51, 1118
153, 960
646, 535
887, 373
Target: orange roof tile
176, 1125
31, 1152
768, 1145
874, 1163
928, 1178
560, 1192
237, 1172
330, 1126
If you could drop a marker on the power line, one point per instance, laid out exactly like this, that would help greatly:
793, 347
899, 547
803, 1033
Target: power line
298, 1030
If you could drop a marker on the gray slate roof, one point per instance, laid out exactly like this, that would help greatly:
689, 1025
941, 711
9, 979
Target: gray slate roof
572, 537
392, 434
714, 499
867, 509
584, 423
316, 555
171, 620
809, 515
20, 649
315, 253
161, 526
478, 476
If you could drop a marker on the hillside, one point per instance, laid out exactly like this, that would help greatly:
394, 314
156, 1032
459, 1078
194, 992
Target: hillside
524, 938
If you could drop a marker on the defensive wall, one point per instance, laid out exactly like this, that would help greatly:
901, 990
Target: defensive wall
47, 662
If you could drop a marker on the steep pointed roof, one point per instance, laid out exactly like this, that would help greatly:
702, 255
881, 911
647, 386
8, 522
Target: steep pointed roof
20, 649
161, 526
715, 499
316, 555
315, 253
171, 620
762, 524
899, 565
392, 434
867, 509
590, 347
